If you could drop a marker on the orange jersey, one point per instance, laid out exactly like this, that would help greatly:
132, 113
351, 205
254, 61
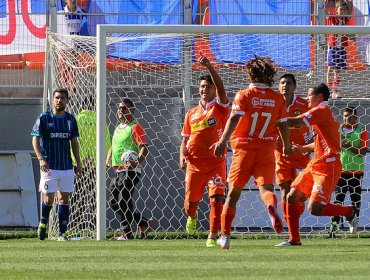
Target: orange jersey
261, 108
326, 126
204, 127
299, 135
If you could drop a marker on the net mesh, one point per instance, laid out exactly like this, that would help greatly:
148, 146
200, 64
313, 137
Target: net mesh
159, 73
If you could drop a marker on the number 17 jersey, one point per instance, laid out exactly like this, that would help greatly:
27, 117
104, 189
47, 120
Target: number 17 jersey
261, 108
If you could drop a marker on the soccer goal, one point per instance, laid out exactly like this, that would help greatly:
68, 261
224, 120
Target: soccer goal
155, 66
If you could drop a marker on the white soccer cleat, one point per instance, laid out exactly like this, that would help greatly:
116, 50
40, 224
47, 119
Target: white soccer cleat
224, 241
287, 243
353, 225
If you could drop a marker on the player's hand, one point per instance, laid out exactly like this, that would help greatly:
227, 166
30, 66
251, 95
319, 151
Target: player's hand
44, 166
78, 171
204, 60
131, 164
218, 148
183, 162
288, 150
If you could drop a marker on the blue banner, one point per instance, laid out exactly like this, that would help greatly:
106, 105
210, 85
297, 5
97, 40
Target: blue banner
287, 50
164, 50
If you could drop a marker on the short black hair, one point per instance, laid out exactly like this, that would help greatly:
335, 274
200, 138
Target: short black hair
128, 102
322, 89
351, 110
61, 90
289, 76
207, 78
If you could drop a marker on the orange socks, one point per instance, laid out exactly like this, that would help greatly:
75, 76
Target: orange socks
293, 215
336, 210
269, 198
227, 217
215, 216
284, 210
190, 211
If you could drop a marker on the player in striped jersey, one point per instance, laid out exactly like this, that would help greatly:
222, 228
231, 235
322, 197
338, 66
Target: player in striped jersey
54, 133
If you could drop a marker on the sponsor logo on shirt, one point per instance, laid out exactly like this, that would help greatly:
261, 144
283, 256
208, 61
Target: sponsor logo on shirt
60, 135
203, 124
260, 102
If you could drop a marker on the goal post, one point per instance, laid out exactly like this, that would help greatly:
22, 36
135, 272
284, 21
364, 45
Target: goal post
163, 86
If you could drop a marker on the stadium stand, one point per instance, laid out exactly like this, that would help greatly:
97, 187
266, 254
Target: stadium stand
12, 61
34, 61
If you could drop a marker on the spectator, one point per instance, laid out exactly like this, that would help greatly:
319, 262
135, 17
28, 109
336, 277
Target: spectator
354, 139
337, 43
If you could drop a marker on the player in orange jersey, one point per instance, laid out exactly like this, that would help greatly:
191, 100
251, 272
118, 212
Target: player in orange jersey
203, 126
317, 181
286, 167
258, 116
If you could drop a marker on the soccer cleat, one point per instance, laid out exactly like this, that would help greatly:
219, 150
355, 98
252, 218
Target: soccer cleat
191, 225
122, 237
224, 241
334, 228
210, 243
353, 225
287, 243
143, 231
276, 221
41, 231
63, 237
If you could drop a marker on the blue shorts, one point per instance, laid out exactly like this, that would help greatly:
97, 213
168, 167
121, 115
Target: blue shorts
337, 57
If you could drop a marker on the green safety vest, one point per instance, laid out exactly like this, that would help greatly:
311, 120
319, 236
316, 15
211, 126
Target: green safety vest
123, 141
86, 122
350, 160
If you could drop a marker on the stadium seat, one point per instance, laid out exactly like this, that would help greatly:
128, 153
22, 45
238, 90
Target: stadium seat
13, 61
236, 67
116, 64
35, 61
150, 66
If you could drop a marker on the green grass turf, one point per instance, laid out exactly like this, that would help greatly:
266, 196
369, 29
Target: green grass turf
344, 258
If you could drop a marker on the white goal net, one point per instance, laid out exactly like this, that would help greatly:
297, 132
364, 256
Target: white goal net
156, 68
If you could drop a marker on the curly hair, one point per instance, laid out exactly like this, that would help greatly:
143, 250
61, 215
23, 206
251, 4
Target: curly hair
261, 69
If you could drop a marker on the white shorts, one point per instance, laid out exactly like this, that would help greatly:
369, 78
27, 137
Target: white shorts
57, 180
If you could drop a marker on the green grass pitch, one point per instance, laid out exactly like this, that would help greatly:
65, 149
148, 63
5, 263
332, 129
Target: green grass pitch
29, 258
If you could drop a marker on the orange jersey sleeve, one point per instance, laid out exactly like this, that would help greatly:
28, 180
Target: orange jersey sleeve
204, 127
260, 109
326, 126
138, 134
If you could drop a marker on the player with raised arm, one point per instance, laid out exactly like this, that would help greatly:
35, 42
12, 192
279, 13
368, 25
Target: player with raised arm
317, 181
203, 126
286, 167
53, 135
258, 116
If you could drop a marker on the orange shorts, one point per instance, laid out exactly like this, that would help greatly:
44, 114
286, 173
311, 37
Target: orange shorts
201, 173
259, 163
286, 167
317, 181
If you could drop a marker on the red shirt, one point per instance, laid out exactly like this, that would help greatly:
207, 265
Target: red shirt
333, 39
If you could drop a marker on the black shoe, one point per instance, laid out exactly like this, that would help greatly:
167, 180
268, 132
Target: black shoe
41, 231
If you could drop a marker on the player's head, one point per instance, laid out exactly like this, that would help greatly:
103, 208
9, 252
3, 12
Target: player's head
207, 90
125, 110
349, 116
60, 100
317, 94
341, 7
287, 85
261, 69
72, 5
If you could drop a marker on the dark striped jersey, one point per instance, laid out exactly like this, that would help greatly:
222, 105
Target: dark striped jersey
55, 133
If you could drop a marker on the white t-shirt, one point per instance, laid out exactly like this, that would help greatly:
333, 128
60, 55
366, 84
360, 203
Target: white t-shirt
72, 21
